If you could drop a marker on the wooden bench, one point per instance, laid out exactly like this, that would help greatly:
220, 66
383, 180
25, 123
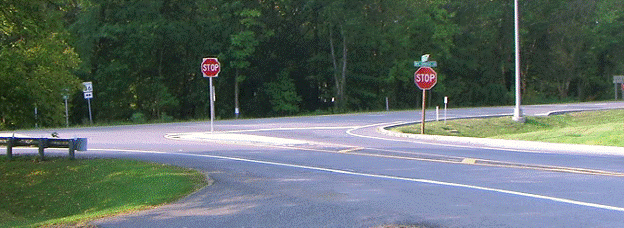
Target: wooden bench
79, 144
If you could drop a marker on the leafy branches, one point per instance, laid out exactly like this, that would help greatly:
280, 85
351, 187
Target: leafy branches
36, 64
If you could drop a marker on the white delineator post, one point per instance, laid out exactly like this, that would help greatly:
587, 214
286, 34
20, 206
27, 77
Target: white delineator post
437, 113
445, 106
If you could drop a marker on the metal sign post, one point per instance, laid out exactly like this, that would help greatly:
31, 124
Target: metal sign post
66, 111
212, 110
210, 68
36, 117
618, 80
90, 115
65, 97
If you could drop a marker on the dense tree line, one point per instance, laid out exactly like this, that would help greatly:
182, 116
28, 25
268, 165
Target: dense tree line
287, 57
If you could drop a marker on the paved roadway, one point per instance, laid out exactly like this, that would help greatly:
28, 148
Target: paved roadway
339, 171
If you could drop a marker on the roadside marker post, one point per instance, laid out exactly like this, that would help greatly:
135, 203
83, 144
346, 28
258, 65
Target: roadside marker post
437, 113
445, 106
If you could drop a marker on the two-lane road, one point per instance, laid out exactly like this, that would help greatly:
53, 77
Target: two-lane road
339, 171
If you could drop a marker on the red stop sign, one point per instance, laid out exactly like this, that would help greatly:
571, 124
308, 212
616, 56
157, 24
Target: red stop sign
210, 67
425, 78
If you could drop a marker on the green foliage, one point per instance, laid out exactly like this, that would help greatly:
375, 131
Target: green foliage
36, 64
283, 95
144, 56
138, 118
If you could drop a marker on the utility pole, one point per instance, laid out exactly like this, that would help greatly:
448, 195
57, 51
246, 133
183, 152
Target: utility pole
517, 111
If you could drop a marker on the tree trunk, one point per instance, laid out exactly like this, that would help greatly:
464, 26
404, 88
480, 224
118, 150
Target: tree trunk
343, 79
563, 88
336, 81
236, 92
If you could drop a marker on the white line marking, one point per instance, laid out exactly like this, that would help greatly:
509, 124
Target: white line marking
350, 132
353, 173
290, 129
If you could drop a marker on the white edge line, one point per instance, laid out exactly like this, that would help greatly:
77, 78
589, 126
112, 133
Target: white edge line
350, 132
441, 183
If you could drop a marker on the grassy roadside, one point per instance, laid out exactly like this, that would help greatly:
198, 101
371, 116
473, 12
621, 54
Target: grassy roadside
59, 191
604, 128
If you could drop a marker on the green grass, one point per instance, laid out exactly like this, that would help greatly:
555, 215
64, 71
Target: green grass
61, 191
591, 128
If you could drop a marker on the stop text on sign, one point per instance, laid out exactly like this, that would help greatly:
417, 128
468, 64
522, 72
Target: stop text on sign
210, 67
425, 78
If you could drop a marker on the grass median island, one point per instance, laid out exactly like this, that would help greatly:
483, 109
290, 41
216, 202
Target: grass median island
60, 191
604, 128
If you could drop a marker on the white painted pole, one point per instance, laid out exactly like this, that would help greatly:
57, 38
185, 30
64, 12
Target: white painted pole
437, 113
66, 112
518, 111
445, 107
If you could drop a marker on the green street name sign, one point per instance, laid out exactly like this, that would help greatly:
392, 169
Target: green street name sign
425, 64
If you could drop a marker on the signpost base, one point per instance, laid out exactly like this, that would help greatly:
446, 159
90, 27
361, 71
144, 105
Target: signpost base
518, 116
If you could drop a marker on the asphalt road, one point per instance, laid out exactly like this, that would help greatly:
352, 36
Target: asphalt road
340, 171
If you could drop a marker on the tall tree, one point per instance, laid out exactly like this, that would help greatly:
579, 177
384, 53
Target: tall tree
143, 55
571, 39
36, 63
243, 43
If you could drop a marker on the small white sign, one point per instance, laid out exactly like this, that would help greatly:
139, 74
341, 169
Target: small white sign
424, 58
87, 87
88, 95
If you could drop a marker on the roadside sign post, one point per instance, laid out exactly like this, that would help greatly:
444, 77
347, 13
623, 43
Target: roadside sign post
618, 80
210, 68
65, 94
66, 112
88, 94
425, 78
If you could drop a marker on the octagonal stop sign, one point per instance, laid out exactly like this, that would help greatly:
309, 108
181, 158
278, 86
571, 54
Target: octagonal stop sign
425, 78
210, 67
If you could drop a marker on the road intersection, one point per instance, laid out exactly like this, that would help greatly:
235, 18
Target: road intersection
341, 171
